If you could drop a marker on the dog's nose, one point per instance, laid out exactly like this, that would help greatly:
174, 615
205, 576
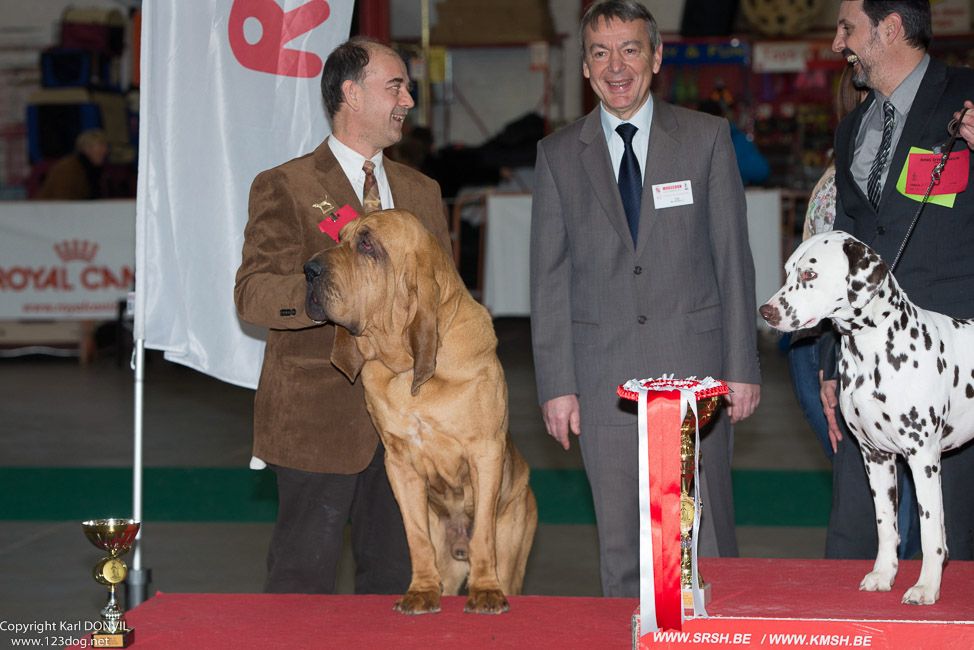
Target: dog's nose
770, 314
312, 270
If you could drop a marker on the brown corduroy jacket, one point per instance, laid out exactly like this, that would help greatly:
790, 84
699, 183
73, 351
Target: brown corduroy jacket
307, 415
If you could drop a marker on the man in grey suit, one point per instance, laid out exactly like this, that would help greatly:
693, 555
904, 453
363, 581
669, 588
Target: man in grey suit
666, 288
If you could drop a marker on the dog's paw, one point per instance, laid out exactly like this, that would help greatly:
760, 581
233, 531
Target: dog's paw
419, 602
486, 601
921, 595
878, 581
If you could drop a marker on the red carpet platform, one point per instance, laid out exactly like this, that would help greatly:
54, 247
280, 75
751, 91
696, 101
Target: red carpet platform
811, 603
766, 603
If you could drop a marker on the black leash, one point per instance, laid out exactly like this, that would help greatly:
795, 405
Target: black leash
954, 129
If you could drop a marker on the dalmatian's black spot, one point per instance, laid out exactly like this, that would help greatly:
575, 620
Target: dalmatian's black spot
879, 397
895, 361
969, 391
914, 333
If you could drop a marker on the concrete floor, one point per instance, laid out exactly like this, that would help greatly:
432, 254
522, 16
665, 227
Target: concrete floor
57, 413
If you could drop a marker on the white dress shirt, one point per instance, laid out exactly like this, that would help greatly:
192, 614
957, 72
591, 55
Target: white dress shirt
352, 161
640, 141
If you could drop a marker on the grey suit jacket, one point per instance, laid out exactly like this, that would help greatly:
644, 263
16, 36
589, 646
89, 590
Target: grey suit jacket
681, 300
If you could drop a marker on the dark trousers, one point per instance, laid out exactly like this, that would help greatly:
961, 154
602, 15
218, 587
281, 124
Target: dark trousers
852, 524
307, 541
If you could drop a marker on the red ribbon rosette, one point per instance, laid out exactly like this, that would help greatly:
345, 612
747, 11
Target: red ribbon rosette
663, 404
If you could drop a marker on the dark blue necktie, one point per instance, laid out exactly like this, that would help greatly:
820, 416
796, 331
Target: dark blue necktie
630, 180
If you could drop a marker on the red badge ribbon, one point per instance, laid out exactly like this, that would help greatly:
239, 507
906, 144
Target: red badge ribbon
663, 419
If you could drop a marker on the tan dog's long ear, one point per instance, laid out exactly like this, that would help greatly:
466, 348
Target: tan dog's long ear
345, 354
420, 333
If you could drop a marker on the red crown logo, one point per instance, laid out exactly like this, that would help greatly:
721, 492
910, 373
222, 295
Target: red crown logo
76, 249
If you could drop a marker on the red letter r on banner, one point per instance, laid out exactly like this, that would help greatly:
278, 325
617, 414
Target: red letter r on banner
277, 29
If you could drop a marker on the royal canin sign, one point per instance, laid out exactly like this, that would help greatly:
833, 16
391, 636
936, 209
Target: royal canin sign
90, 277
55, 265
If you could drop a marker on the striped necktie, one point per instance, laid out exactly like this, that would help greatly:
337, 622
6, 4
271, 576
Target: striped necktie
873, 188
370, 191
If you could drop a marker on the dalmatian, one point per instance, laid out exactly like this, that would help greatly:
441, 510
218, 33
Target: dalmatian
906, 385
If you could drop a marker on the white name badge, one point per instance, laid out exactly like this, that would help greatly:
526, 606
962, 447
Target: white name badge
668, 195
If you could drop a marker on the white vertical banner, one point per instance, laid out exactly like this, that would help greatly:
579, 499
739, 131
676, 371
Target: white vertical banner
228, 88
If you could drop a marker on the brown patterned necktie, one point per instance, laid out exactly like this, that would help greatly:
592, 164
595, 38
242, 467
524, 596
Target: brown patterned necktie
370, 191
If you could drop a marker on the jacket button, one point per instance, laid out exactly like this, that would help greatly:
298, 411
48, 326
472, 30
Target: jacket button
881, 231
637, 270
641, 320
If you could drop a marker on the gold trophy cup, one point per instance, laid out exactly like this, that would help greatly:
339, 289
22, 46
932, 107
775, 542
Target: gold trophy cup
705, 409
114, 536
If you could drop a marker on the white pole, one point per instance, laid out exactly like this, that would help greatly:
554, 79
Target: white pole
138, 364
137, 581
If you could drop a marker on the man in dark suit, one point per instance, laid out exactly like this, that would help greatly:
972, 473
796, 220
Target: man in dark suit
913, 98
310, 424
666, 286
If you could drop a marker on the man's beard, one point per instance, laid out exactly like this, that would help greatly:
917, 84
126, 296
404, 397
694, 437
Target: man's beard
860, 78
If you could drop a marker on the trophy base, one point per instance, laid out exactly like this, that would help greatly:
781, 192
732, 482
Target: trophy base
114, 640
688, 596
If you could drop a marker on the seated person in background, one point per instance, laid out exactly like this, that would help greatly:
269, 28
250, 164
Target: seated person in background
77, 176
752, 165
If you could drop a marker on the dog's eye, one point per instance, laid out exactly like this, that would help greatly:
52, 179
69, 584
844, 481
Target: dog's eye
808, 276
364, 245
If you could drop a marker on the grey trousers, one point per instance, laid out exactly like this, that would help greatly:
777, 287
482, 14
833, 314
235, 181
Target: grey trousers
610, 454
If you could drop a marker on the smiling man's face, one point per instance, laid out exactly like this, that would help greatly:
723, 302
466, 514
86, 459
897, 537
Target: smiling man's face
620, 64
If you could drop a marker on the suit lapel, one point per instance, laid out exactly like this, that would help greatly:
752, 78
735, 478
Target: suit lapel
598, 167
846, 150
402, 191
332, 179
924, 104
664, 147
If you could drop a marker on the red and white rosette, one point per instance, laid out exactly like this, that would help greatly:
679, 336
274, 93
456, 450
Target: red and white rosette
662, 407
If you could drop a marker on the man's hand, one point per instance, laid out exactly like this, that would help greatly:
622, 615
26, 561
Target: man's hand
742, 400
967, 126
561, 416
828, 392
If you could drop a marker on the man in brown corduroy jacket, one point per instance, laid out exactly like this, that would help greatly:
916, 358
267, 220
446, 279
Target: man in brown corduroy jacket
311, 425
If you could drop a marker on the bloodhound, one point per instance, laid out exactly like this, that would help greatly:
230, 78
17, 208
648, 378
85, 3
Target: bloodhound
436, 392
